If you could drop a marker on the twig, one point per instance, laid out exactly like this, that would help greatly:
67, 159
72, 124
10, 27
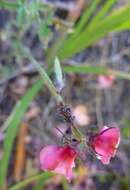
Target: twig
20, 152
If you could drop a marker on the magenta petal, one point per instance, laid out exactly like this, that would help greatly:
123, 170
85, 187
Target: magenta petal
49, 157
106, 143
105, 160
65, 169
105, 81
58, 159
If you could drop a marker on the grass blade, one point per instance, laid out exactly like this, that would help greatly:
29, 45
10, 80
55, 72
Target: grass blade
12, 125
104, 10
36, 178
9, 5
96, 70
87, 13
124, 26
89, 36
83, 22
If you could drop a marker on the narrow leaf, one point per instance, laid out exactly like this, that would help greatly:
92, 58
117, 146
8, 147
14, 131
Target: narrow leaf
102, 13
96, 70
9, 5
86, 15
36, 178
11, 126
89, 36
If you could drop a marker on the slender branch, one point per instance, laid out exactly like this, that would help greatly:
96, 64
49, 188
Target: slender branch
26, 53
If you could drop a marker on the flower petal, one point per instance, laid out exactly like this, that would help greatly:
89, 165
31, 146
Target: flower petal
105, 143
49, 157
58, 159
105, 81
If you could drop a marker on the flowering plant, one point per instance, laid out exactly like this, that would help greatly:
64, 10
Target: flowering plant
60, 159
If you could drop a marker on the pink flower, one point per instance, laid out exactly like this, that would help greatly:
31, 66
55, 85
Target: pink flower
106, 143
105, 81
58, 159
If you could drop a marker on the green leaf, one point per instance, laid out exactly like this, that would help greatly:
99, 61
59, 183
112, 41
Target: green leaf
15, 5
58, 73
39, 185
85, 18
83, 22
124, 26
46, 79
21, 16
84, 69
102, 13
9, 5
11, 125
36, 178
96, 70
43, 30
24, 52
89, 36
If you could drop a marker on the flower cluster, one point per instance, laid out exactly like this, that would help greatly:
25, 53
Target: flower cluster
60, 159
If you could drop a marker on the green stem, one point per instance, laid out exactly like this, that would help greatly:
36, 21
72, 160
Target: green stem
77, 134
119, 74
54, 49
21, 185
47, 81
26, 53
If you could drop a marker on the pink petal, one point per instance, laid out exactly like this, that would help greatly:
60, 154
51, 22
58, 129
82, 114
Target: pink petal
104, 128
58, 159
49, 157
65, 169
106, 143
105, 81
105, 160
110, 135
